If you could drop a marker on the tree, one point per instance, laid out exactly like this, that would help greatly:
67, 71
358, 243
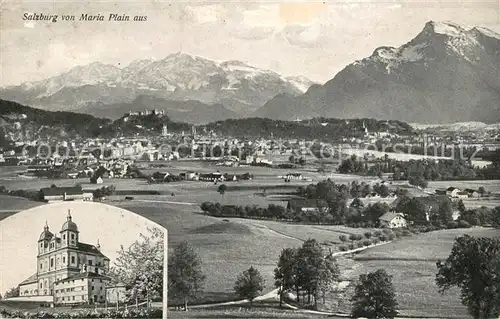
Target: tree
222, 189
443, 215
418, 181
374, 296
185, 276
495, 216
481, 191
141, 267
314, 273
473, 266
357, 204
461, 207
415, 211
284, 275
249, 284
384, 191
375, 211
11, 293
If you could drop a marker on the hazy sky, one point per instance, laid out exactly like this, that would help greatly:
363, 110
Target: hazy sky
19, 234
313, 39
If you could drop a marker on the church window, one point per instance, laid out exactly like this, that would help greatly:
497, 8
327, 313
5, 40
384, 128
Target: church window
51, 262
41, 266
64, 236
72, 236
72, 259
64, 260
90, 262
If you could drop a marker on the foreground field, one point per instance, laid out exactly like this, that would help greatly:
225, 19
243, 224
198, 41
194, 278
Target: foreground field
227, 247
412, 263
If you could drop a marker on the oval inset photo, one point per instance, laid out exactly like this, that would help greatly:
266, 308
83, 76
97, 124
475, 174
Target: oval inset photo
79, 259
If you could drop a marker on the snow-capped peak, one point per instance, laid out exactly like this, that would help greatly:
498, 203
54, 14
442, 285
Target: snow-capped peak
488, 32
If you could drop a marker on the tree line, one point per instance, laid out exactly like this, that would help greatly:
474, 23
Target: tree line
417, 172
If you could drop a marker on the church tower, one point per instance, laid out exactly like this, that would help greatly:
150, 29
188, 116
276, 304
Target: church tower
69, 232
44, 240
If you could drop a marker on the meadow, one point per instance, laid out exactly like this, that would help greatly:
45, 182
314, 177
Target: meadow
412, 263
229, 246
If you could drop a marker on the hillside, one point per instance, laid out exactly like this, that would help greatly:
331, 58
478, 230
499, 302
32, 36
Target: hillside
317, 128
241, 88
445, 74
190, 111
19, 122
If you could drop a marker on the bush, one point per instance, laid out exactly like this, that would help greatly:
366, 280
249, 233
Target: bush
452, 225
382, 238
359, 237
375, 241
392, 236
343, 238
342, 248
353, 237
432, 228
351, 246
415, 231
463, 224
366, 243
377, 233
406, 233
387, 231
359, 244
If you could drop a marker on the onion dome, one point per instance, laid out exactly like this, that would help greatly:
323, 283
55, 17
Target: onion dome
46, 234
69, 224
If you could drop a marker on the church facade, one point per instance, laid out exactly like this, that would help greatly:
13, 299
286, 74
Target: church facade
68, 270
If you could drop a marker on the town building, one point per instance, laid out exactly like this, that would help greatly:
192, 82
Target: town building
70, 271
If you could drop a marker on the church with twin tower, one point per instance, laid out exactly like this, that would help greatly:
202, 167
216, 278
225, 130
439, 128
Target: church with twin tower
69, 270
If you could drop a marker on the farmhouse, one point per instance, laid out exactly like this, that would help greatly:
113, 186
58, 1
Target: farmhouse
189, 176
472, 193
293, 176
462, 195
393, 220
452, 191
37, 169
440, 191
211, 177
60, 194
305, 205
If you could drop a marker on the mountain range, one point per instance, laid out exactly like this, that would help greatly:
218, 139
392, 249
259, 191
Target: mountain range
178, 83
446, 74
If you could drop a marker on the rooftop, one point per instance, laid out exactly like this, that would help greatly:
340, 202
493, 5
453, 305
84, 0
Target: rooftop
85, 275
31, 279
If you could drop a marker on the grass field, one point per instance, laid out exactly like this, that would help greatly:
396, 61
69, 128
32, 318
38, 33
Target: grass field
229, 247
412, 263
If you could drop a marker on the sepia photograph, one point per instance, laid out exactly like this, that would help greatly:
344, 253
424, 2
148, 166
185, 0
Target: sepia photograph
320, 159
